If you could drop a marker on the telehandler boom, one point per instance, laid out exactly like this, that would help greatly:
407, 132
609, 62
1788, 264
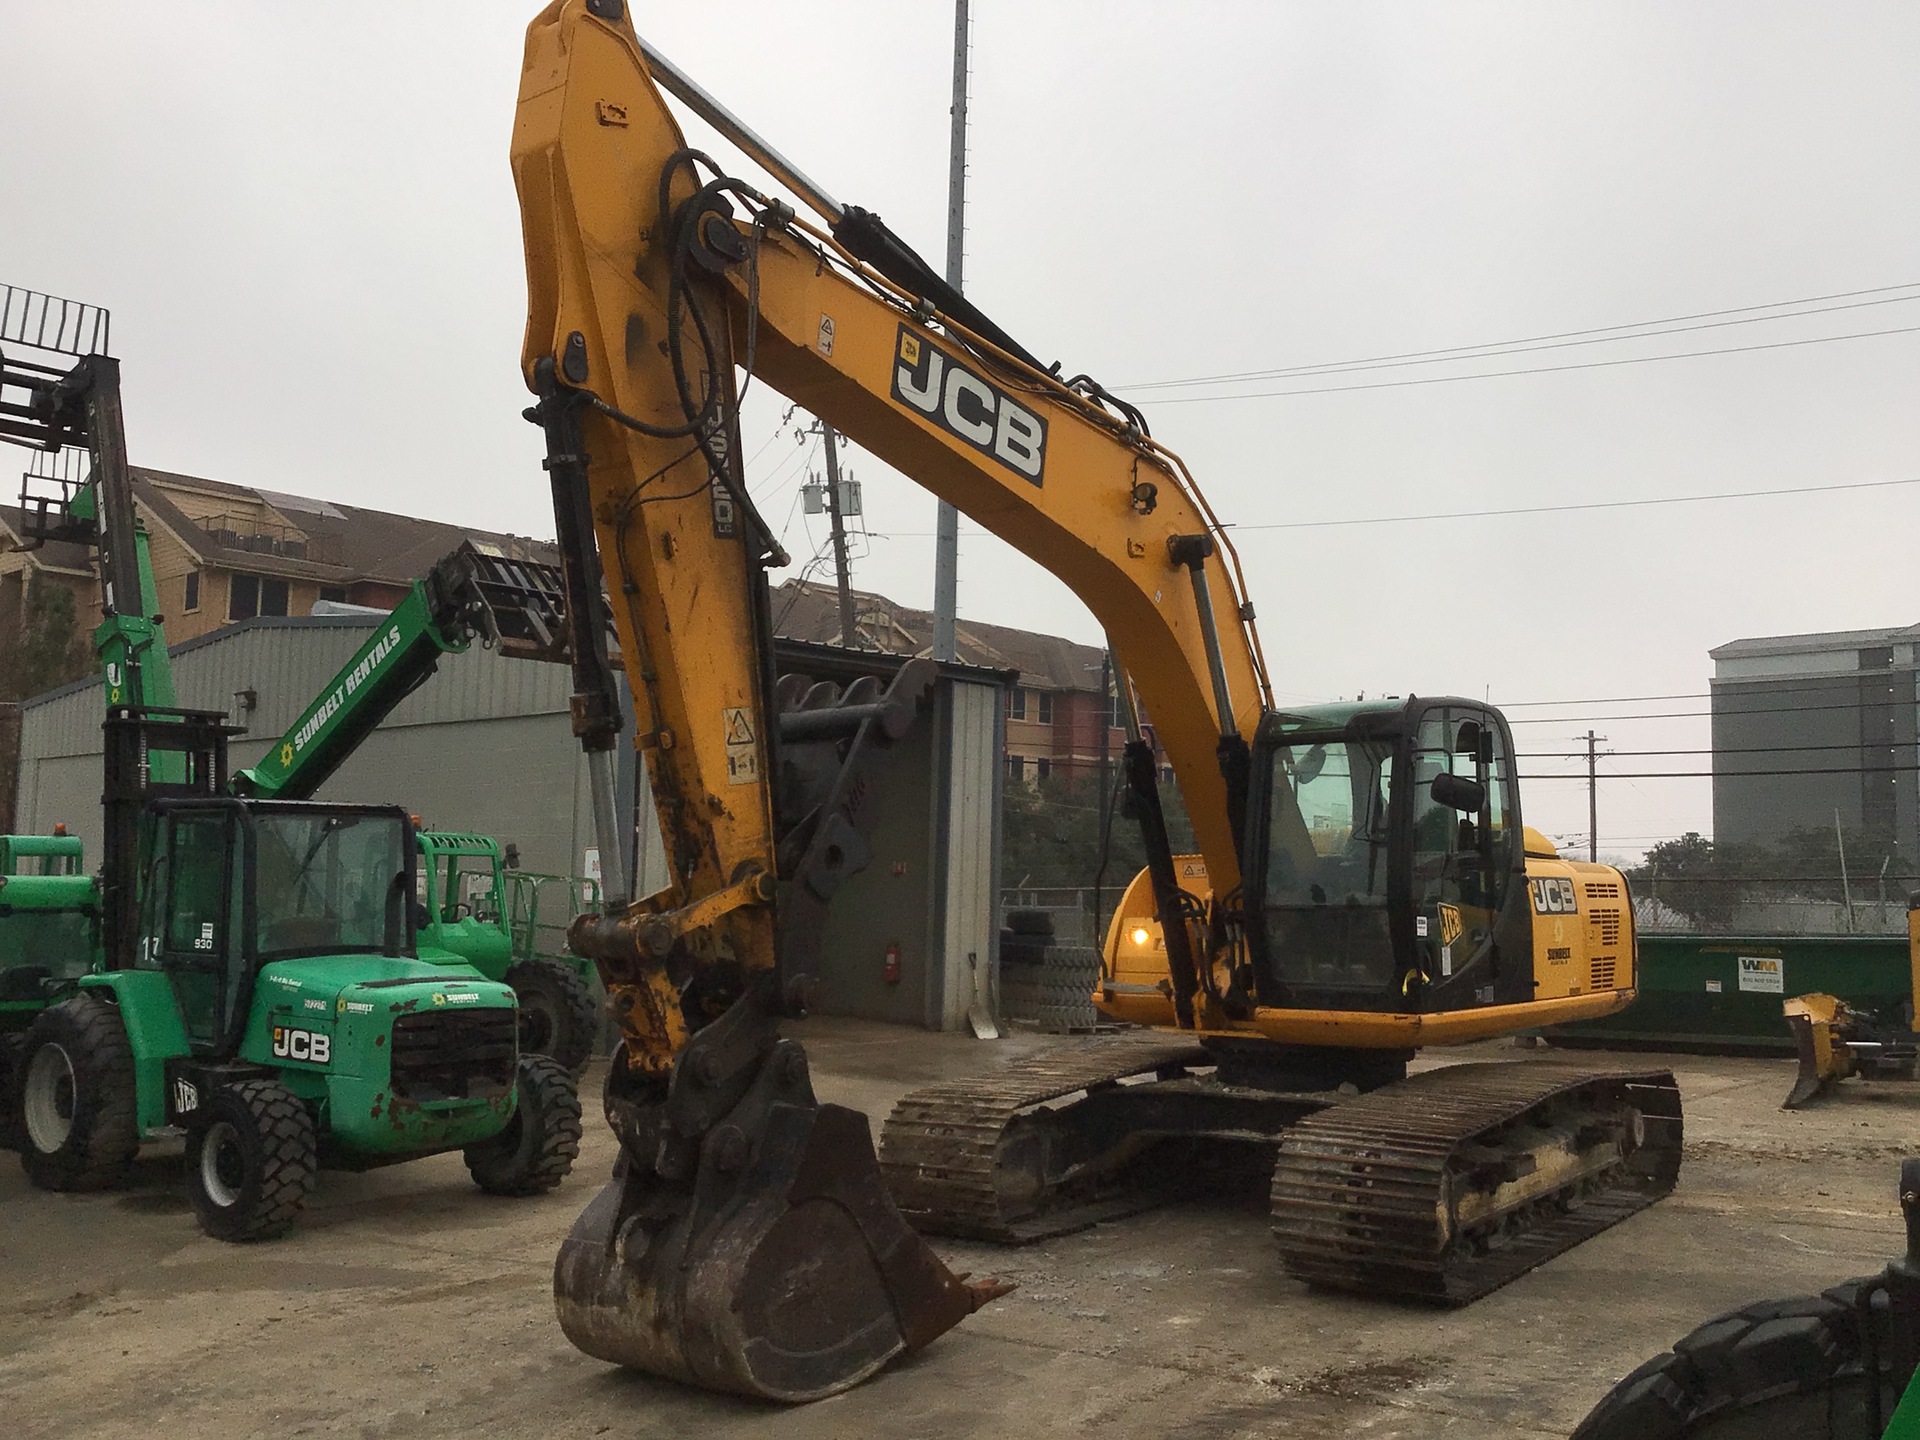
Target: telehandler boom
1365, 885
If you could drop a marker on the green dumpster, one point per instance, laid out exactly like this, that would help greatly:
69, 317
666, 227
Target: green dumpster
1720, 992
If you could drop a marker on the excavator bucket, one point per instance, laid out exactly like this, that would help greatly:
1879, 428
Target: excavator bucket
778, 1268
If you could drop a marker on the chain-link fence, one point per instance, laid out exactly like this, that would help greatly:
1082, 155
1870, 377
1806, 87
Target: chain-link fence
1070, 908
1770, 905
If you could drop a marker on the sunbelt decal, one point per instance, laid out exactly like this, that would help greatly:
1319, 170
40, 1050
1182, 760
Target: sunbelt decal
327, 708
313, 1046
968, 407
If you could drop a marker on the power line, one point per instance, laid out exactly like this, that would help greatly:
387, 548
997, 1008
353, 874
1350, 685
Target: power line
1686, 714
1541, 369
1600, 335
1687, 695
1582, 505
1724, 775
1738, 750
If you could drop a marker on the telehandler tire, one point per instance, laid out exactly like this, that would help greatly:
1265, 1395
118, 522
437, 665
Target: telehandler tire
558, 1015
76, 1099
11, 1049
536, 1150
1776, 1370
252, 1155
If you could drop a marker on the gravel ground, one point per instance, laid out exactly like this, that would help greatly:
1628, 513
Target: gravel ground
407, 1303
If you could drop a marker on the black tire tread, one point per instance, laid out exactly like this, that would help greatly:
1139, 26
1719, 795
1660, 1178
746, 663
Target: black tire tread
289, 1159
1753, 1367
503, 1166
579, 1010
12, 1131
97, 1042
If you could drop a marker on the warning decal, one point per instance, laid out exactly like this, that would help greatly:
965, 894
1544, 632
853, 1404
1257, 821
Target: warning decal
743, 754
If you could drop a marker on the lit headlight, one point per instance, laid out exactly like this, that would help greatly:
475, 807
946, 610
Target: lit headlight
1140, 935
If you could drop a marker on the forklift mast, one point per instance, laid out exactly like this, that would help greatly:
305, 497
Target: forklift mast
60, 396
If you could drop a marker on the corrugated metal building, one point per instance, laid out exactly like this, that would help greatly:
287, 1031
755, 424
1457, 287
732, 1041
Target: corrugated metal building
486, 746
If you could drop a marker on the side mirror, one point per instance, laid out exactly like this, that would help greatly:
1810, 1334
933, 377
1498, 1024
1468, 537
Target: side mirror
1308, 767
1457, 792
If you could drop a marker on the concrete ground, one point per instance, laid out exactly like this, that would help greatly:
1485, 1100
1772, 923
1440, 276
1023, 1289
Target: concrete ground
407, 1303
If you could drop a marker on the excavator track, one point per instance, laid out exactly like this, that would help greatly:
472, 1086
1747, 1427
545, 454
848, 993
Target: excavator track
1438, 1188
942, 1148
1451, 1183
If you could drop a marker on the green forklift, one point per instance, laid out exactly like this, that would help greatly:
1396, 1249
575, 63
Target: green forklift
464, 914
257, 981
49, 938
461, 908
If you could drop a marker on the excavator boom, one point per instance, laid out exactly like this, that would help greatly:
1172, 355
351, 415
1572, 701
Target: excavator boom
746, 1241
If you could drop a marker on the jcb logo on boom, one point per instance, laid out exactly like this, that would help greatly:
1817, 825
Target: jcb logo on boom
1554, 896
968, 407
309, 1045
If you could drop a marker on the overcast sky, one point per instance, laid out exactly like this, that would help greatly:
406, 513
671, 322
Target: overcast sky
303, 221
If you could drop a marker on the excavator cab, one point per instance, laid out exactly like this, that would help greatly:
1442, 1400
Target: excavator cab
1387, 872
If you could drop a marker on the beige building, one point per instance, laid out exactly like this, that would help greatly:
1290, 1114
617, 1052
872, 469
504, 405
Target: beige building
226, 552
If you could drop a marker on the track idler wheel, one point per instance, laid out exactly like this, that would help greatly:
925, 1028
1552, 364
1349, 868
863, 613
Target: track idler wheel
780, 1269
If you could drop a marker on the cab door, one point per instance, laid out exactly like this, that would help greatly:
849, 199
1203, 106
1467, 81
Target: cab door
190, 924
1469, 914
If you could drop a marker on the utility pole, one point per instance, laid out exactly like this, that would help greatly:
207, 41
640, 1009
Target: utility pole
842, 580
1593, 799
946, 541
1106, 745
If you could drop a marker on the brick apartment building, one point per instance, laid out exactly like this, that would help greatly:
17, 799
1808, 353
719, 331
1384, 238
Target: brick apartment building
227, 552
1056, 711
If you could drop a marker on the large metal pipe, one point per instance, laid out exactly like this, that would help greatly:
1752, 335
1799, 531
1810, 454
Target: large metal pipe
1193, 551
615, 891
684, 87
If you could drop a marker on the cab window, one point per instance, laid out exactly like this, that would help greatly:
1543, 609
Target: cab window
1462, 852
1325, 907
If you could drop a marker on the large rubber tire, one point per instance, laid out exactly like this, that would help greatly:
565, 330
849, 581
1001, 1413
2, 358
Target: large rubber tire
11, 1049
558, 1015
252, 1156
1067, 979
77, 1098
1777, 1370
536, 1150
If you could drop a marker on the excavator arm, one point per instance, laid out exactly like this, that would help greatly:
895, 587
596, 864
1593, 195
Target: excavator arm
746, 1241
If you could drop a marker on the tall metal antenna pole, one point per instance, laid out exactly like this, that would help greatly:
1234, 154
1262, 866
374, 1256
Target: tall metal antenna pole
946, 543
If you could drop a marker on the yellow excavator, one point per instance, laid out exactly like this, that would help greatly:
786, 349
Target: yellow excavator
1364, 887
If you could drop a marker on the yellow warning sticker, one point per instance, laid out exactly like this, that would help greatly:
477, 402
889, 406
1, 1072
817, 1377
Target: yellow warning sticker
909, 347
743, 755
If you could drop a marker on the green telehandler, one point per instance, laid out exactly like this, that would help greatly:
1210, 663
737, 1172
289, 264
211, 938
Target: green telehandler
256, 982
462, 914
